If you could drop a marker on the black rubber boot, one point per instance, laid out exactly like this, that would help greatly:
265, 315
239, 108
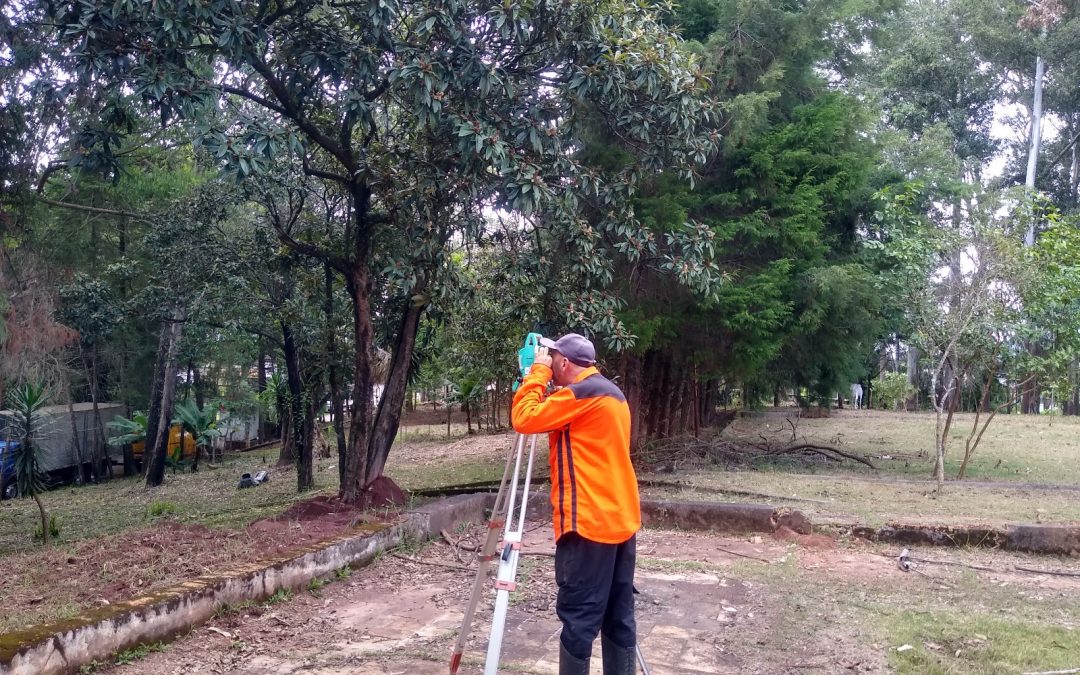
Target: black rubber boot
617, 660
570, 664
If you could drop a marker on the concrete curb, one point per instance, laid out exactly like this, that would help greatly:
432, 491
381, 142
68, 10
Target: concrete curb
65, 646
1042, 539
735, 518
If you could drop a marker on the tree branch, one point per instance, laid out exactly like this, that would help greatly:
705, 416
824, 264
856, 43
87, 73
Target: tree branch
337, 262
244, 93
290, 109
276, 340
320, 173
94, 209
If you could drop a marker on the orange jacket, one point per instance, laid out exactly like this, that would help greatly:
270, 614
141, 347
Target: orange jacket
594, 490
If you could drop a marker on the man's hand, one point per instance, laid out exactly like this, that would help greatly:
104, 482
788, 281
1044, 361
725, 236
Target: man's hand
542, 357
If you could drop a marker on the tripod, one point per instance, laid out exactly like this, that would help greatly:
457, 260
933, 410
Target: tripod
502, 518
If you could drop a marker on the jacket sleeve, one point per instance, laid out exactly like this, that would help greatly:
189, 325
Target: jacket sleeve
534, 414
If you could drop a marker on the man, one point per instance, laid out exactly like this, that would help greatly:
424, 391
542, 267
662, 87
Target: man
594, 495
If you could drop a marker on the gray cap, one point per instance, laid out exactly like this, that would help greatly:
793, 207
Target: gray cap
575, 347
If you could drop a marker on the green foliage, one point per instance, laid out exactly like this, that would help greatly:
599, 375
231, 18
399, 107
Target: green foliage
89, 306
54, 530
160, 508
201, 424
140, 652
270, 398
280, 595
892, 389
128, 430
26, 402
466, 390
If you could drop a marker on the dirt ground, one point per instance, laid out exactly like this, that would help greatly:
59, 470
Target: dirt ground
57, 582
779, 604
708, 604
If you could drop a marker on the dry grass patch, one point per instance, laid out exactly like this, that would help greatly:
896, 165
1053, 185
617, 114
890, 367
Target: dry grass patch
843, 499
1025, 448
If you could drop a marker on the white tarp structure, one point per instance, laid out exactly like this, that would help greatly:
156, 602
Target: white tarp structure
59, 438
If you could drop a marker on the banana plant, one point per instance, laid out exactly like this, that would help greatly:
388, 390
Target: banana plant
201, 424
129, 430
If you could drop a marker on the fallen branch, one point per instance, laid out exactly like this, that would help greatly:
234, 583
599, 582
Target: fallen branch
954, 564
1053, 572
936, 581
433, 563
823, 450
743, 555
1070, 671
456, 545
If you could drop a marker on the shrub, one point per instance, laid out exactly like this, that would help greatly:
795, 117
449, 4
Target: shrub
893, 389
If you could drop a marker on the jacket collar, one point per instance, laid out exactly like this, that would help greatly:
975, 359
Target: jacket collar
591, 370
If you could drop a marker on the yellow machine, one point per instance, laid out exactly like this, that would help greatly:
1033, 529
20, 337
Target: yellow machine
139, 447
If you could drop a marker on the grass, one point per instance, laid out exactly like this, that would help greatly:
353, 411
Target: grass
1022, 630
1017, 452
209, 497
972, 626
950, 641
847, 498
140, 652
1017, 448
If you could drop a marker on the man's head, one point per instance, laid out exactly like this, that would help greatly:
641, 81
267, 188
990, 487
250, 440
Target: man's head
570, 354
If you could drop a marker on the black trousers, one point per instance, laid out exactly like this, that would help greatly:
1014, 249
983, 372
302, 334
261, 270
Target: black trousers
596, 592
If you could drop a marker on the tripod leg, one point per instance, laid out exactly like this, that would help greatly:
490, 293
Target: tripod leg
486, 554
641, 660
506, 581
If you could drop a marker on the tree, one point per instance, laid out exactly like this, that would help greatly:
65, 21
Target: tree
974, 325
472, 100
27, 402
772, 293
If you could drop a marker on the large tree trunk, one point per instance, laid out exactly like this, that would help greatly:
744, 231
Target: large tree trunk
198, 384
357, 468
260, 387
358, 283
287, 451
392, 402
153, 413
1035, 137
155, 470
1074, 167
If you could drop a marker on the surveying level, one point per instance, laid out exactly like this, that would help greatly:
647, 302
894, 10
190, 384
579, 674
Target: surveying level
526, 357
508, 516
